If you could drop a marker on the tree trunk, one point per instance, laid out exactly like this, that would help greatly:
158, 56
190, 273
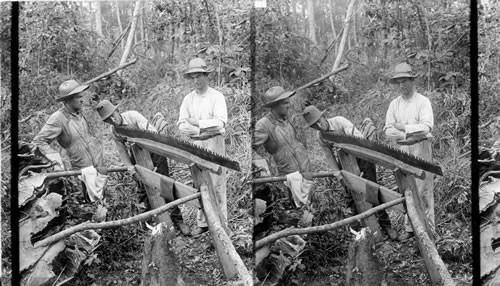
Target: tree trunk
311, 20
131, 34
347, 21
98, 19
363, 267
119, 19
332, 23
159, 264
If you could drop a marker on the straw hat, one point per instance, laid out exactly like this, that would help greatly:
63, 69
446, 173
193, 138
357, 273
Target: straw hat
275, 94
402, 70
69, 88
312, 115
197, 65
105, 109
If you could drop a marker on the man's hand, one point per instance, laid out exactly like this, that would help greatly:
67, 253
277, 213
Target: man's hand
131, 170
102, 170
399, 126
193, 121
307, 175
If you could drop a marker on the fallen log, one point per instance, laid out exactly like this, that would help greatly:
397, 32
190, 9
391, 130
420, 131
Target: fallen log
299, 231
435, 266
228, 257
116, 223
266, 180
111, 71
320, 79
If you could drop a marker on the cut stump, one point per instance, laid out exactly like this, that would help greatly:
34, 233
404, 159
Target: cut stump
363, 267
159, 264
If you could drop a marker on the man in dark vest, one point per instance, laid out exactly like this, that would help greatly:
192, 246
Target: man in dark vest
275, 132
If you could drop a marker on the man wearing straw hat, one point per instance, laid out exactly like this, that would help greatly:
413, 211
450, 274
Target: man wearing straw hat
71, 130
316, 120
409, 122
203, 118
275, 132
109, 113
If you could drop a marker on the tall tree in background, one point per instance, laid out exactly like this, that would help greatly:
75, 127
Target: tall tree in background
98, 19
131, 34
312, 22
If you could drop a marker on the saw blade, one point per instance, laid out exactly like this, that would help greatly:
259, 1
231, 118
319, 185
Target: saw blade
388, 150
180, 144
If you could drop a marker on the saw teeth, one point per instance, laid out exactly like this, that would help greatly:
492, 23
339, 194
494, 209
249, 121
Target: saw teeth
383, 148
199, 151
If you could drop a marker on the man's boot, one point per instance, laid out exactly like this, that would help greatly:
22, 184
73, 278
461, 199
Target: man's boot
185, 230
199, 230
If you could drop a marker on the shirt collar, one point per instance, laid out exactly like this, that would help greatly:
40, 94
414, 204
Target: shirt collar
76, 114
276, 118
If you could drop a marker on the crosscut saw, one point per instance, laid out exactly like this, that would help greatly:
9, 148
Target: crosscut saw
374, 151
183, 145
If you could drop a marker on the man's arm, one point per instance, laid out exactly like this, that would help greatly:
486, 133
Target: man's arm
348, 127
184, 126
391, 131
50, 131
219, 118
426, 121
142, 122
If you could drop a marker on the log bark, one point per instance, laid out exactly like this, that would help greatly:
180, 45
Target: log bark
435, 266
200, 178
159, 264
363, 267
230, 260
116, 223
131, 34
349, 164
299, 231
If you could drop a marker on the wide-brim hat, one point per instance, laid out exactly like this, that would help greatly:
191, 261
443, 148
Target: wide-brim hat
402, 70
69, 88
197, 65
275, 94
312, 115
105, 108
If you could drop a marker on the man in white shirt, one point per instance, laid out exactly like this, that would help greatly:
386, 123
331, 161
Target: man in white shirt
316, 120
203, 117
133, 119
409, 122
